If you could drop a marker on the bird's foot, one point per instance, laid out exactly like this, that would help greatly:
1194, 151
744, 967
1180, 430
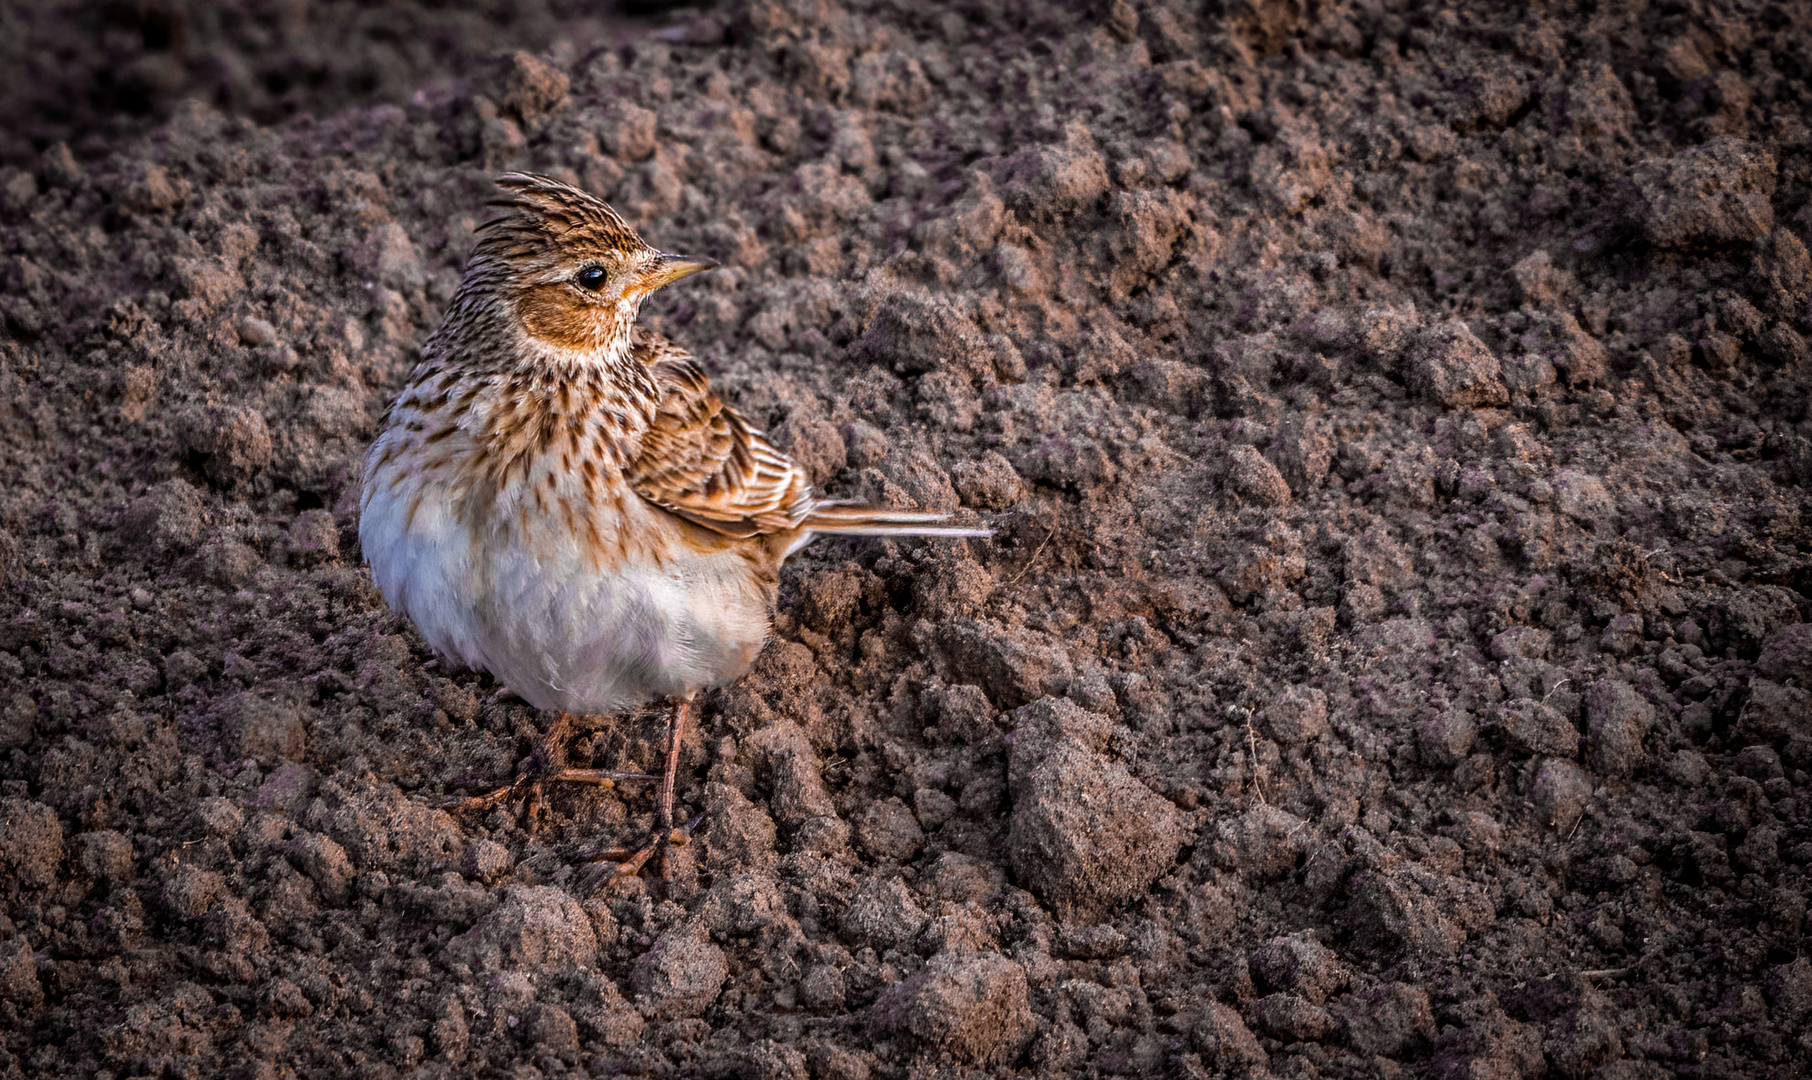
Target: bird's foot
665, 836
547, 763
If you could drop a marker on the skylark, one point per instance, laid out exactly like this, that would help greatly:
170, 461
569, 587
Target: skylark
559, 498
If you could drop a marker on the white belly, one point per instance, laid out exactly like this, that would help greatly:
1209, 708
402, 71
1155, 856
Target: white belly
542, 619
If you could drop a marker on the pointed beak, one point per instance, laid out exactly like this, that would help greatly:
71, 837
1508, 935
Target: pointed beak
668, 269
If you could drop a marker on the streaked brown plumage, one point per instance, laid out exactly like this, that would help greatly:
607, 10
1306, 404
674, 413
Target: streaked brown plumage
561, 499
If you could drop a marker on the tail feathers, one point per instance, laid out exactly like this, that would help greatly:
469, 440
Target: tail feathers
845, 520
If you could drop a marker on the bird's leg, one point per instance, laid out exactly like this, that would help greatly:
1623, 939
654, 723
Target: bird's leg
548, 756
676, 734
663, 813
547, 761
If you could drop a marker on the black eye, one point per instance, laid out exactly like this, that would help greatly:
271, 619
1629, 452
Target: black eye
592, 277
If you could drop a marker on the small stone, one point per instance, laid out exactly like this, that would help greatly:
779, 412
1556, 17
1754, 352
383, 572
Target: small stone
254, 331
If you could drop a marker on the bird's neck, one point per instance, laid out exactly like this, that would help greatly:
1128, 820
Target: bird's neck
517, 398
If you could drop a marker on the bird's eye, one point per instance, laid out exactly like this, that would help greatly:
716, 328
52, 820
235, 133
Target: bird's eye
592, 278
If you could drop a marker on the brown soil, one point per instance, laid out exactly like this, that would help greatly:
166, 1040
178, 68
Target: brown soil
1394, 658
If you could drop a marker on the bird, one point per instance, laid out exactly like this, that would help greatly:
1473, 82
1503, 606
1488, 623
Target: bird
558, 497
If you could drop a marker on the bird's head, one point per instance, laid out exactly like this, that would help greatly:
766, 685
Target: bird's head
566, 268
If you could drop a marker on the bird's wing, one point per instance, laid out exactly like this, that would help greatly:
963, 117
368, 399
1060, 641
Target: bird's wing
703, 462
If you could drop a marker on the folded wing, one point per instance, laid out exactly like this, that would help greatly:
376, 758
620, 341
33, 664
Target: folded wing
702, 461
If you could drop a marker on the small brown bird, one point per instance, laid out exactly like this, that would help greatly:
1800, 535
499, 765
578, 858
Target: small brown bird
559, 498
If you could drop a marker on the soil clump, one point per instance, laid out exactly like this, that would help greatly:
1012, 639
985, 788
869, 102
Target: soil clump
1394, 656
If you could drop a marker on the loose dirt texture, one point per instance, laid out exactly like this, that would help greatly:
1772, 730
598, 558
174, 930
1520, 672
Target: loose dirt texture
1394, 657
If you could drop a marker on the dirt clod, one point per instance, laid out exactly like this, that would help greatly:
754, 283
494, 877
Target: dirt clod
966, 1007
1391, 658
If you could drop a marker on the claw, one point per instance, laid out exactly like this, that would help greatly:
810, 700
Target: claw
547, 763
632, 862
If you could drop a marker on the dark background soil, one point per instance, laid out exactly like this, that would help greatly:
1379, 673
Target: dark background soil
1394, 658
